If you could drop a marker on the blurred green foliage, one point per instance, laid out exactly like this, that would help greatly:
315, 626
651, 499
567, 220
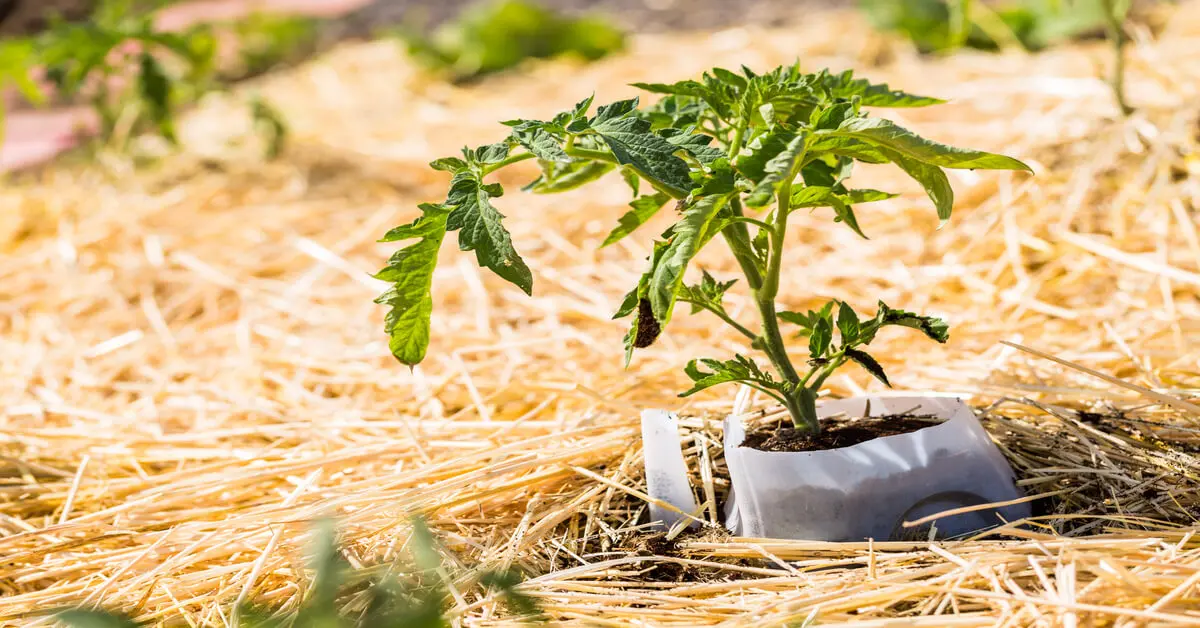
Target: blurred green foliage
942, 25
498, 35
266, 41
138, 78
415, 600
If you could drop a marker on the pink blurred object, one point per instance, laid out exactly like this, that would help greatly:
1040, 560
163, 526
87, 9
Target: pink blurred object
33, 137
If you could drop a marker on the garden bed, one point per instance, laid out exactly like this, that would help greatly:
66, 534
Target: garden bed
193, 369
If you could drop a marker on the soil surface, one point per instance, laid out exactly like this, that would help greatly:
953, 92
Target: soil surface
835, 433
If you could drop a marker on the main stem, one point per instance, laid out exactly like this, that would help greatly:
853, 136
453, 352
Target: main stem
766, 288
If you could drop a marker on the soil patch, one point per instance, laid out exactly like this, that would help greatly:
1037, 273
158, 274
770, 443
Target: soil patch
835, 432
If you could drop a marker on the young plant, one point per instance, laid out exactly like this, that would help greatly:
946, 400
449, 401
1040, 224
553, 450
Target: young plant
498, 35
91, 60
944, 25
737, 154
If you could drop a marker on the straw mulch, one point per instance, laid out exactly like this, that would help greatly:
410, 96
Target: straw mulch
191, 368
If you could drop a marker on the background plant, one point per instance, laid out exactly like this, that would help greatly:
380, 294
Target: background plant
945, 25
94, 59
415, 600
498, 35
737, 153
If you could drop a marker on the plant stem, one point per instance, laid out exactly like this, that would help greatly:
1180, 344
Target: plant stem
772, 339
1115, 26
737, 236
512, 159
723, 315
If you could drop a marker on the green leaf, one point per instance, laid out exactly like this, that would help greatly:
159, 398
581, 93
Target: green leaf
155, 90
844, 85
519, 602
558, 177
489, 153
708, 293
480, 230
847, 324
544, 145
885, 133
270, 125
808, 320
931, 326
845, 214
688, 236
868, 363
867, 196
933, 179
644, 208
448, 164
695, 144
771, 161
329, 568
88, 618
410, 271
819, 341
634, 144
739, 369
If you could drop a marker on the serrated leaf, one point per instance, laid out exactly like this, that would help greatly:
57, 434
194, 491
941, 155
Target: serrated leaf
410, 271
804, 320
634, 144
708, 293
780, 149
644, 208
820, 338
695, 144
448, 164
479, 229
847, 324
887, 134
844, 85
541, 143
932, 178
867, 196
931, 326
688, 236
631, 179
845, 213
739, 369
681, 88
867, 362
490, 153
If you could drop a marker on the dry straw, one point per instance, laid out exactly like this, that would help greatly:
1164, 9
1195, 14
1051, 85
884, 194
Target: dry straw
191, 369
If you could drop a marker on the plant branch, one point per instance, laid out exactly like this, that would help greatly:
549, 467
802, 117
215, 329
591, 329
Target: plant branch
512, 159
745, 331
599, 155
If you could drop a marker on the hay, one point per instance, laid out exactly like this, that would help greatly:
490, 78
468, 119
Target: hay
192, 369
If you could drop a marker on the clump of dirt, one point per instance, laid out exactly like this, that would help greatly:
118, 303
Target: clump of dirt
835, 432
657, 544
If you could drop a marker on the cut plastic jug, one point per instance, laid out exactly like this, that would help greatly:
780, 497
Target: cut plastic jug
869, 490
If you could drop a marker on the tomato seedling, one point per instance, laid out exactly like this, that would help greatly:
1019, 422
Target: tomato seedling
737, 153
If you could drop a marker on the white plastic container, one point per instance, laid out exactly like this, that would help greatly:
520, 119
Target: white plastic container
870, 489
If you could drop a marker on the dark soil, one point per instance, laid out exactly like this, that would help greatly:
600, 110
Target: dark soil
835, 433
